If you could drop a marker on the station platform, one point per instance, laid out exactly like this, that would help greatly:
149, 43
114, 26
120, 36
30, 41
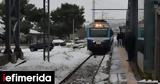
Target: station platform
121, 72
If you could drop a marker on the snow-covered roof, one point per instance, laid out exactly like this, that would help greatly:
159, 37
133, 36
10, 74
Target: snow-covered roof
57, 41
1, 27
1, 30
31, 31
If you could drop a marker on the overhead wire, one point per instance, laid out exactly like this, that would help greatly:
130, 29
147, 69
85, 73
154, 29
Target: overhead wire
103, 12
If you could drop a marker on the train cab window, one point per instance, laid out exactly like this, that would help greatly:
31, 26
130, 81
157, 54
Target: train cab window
141, 29
99, 33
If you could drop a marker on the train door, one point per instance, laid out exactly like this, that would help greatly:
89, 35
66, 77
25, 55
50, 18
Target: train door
157, 45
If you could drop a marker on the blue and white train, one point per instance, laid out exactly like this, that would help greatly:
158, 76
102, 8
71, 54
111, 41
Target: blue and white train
99, 37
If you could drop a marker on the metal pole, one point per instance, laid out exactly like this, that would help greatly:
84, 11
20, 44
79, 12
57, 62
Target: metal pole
48, 30
46, 6
73, 33
17, 50
155, 62
16, 28
93, 17
157, 42
102, 15
44, 56
8, 50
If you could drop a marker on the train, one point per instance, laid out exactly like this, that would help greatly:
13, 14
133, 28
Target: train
99, 37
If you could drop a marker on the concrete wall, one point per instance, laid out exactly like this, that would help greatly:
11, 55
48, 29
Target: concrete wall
140, 61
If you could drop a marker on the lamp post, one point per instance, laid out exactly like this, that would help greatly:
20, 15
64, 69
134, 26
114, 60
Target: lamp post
46, 6
93, 16
73, 31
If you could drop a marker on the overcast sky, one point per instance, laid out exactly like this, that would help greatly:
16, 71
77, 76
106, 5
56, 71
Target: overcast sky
87, 4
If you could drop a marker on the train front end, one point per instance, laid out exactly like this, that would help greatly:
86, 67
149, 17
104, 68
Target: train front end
99, 37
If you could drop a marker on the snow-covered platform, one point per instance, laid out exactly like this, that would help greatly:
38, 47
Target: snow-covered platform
121, 72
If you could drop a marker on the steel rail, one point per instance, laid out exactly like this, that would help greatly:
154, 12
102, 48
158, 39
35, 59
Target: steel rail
97, 69
69, 76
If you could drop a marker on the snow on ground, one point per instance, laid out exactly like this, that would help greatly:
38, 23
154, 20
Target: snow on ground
116, 67
62, 60
116, 64
102, 74
121, 71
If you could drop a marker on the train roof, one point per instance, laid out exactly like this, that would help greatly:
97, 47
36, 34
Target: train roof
100, 20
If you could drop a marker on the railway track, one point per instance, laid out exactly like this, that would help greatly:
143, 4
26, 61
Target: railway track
97, 69
68, 77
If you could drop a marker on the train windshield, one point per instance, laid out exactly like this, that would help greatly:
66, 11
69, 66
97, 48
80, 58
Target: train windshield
99, 33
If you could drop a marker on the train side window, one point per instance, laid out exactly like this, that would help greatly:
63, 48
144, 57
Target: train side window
140, 33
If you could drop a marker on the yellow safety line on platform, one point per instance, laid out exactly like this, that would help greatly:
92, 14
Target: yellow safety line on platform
126, 67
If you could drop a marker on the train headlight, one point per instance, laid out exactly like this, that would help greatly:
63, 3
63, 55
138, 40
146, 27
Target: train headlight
98, 25
94, 41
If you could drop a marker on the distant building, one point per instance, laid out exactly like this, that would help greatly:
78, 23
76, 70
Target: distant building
35, 36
